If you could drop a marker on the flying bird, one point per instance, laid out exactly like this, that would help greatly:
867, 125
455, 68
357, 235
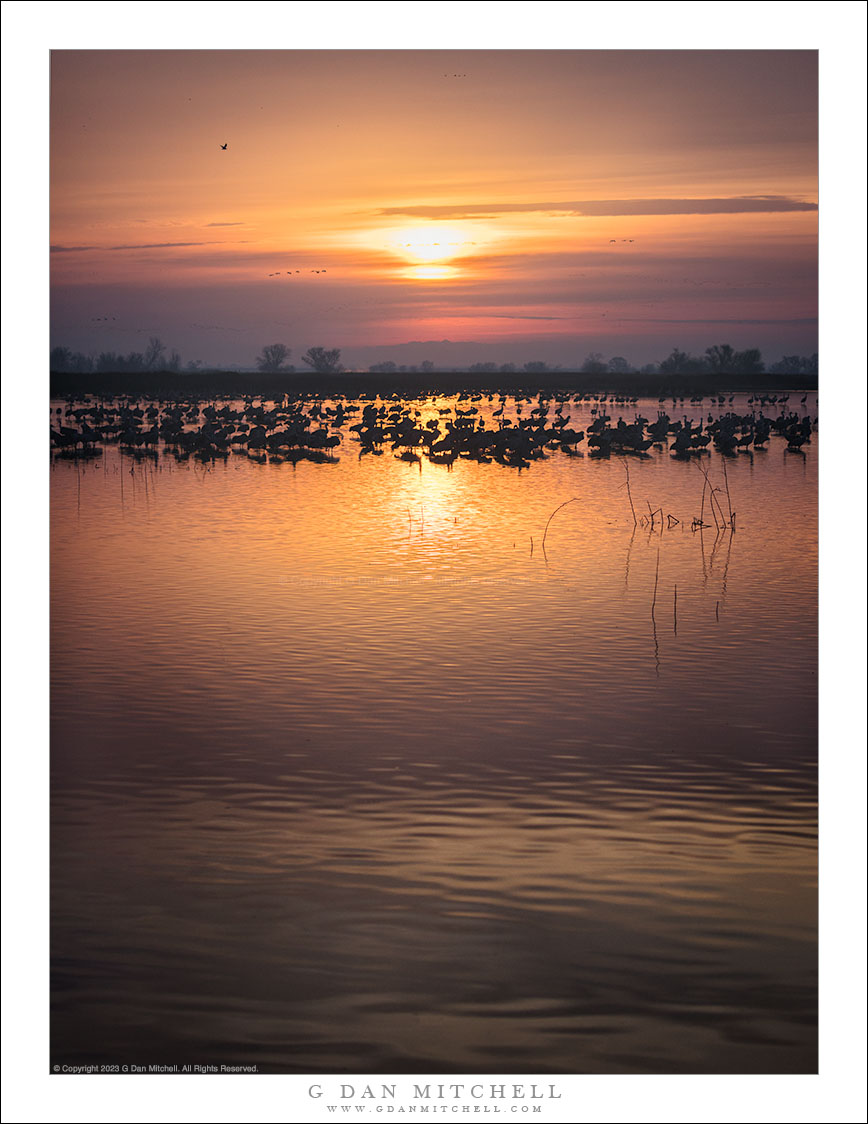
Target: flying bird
225, 146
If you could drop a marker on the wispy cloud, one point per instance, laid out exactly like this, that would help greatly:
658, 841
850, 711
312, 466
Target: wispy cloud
132, 246
224, 224
508, 316
716, 320
739, 204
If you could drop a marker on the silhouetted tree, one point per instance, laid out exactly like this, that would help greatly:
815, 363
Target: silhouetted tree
173, 363
483, 368
108, 361
649, 369
536, 367
720, 358
795, 365
112, 361
154, 353
748, 362
618, 365
680, 363
71, 362
426, 366
594, 364
59, 358
507, 368
273, 357
387, 367
323, 362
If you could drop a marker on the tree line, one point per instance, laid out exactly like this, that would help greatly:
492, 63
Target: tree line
153, 358
722, 359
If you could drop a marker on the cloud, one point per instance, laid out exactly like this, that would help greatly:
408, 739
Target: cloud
739, 204
224, 224
134, 246
508, 316
713, 320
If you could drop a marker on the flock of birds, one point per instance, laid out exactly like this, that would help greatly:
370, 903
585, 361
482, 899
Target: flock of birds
289, 272
510, 430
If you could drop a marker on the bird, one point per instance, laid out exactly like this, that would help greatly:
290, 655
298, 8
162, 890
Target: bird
225, 146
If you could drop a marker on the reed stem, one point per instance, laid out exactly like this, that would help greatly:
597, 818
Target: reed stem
629, 493
575, 499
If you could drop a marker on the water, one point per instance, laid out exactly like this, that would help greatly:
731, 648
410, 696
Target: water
349, 774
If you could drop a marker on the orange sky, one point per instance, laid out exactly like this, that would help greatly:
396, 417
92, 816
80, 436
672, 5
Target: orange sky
521, 204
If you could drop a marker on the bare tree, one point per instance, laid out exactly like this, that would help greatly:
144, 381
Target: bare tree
323, 362
749, 362
795, 365
720, 358
273, 357
154, 353
723, 360
680, 363
60, 358
594, 364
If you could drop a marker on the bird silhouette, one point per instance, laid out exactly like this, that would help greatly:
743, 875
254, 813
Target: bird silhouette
225, 146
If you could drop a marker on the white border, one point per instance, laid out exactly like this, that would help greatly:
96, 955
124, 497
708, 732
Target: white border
838, 31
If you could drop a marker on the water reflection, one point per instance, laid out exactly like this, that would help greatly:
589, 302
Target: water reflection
348, 775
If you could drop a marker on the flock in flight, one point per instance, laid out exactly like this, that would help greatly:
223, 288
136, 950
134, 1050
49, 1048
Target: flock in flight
289, 272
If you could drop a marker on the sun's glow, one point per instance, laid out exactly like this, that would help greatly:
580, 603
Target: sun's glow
430, 243
430, 272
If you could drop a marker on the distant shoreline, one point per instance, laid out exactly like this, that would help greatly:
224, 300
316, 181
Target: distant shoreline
201, 384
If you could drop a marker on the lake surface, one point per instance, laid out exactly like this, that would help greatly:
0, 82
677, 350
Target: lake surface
350, 775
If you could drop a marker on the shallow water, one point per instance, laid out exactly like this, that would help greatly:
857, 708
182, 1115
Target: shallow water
349, 774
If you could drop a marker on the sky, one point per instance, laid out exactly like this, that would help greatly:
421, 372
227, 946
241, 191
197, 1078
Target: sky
456, 206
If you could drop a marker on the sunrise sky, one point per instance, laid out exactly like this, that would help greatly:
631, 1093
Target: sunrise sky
520, 204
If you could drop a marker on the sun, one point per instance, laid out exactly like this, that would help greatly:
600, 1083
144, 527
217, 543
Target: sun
434, 243
433, 251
